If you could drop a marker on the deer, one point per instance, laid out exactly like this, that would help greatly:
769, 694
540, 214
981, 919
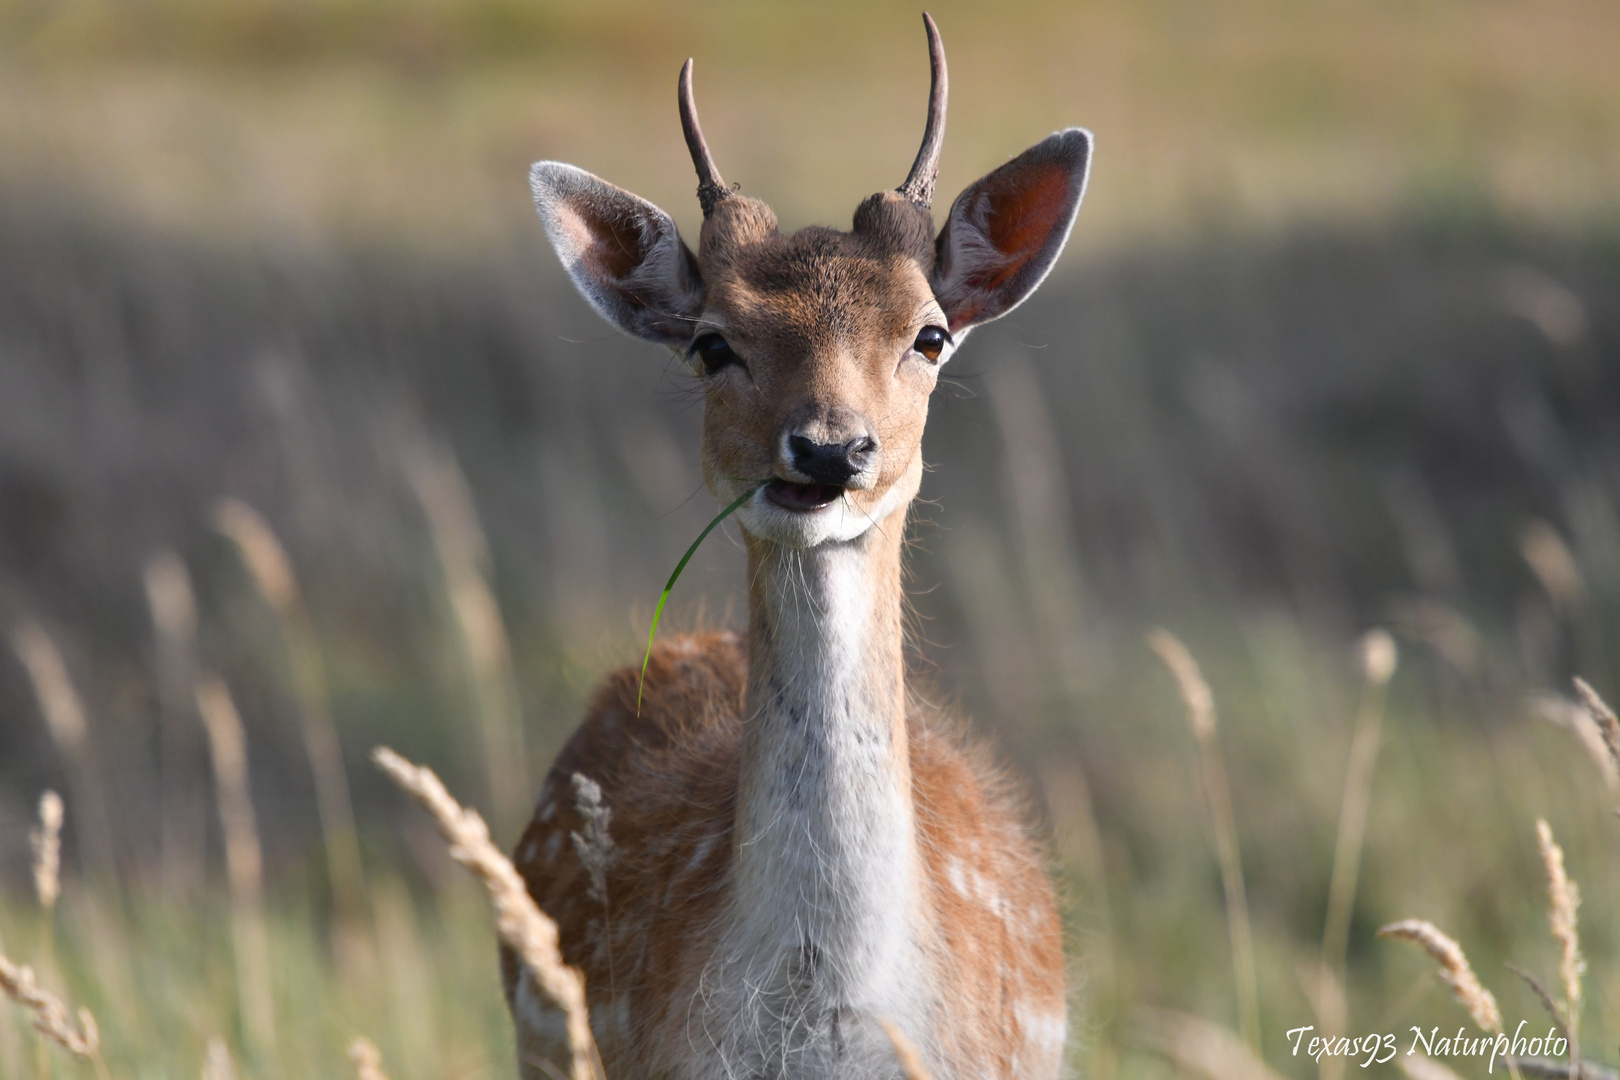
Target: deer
801, 851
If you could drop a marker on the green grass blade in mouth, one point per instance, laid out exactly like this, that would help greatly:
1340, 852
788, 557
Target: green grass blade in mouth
659, 610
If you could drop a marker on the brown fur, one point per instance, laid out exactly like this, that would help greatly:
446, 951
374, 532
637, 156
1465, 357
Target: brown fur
670, 778
821, 318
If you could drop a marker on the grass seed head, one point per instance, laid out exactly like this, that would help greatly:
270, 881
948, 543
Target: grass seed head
1195, 691
50, 1015
1549, 558
1378, 656
1454, 969
1564, 900
367, 1059
1578, 720
522, 926
46, 842
266, 559
1603, 716
64, 712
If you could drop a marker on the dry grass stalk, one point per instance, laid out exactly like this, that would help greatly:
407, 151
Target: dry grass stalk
46, 842
1379, 658
272, 574
244, 861
1195, 691
458, 538
1198, 1046
911, 1063
1550, 560
64, 714
1578, 720
217, 1064
367, 1059
1200, 704
1564, 901
1602, 716
1378, 661
173, 608
1444, 629
1326, 995
10, 1051
1423, 1067
50, 1015
266, 559
1454, 969
1546, 1069
1541, 995
169, 596
522, 926
406, 968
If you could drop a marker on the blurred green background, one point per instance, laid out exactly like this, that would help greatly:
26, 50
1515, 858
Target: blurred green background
1334, 346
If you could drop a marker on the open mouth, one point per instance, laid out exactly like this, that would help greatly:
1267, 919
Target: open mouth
802, 497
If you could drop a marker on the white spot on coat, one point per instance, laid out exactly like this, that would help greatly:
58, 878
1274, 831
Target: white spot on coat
953, 870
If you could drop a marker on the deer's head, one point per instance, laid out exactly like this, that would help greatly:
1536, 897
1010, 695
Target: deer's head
817, 350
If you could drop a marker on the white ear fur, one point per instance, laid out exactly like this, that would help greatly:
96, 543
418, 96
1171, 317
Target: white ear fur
624, 254
1006, 229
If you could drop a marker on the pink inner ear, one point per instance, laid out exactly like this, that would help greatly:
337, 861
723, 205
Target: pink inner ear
609, 243
1017, 210
1021, 217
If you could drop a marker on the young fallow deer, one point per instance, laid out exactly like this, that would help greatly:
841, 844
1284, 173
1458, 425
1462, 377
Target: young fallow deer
798, 851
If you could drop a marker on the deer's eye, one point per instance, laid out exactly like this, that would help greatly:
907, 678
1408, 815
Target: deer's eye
931, 341
715, 353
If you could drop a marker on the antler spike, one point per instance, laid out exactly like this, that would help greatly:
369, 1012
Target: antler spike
711, 188
919, 185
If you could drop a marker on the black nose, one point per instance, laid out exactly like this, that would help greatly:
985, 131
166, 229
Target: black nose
830, 463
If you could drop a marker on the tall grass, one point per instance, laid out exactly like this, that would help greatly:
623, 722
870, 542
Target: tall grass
64, 715
273, 576
50, 1016
1200, 702
244, 861
463, 553
1269, 443
438, 968
522, 926
173, 608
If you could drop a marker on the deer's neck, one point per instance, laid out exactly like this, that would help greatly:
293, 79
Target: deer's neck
826, 858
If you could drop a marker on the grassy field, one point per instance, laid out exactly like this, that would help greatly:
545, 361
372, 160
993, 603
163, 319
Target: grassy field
1266, 446
1450, 837
282, 119
1335, 348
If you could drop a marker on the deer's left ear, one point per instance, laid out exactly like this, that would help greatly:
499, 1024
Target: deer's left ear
1006, 230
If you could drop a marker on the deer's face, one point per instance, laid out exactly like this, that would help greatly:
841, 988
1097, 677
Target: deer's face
817, 353
817, 350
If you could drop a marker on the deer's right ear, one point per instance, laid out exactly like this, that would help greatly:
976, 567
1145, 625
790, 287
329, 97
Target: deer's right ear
623, 253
